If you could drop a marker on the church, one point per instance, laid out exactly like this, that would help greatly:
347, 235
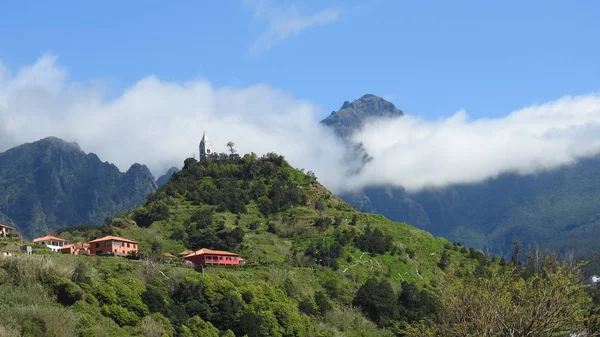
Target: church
205, 147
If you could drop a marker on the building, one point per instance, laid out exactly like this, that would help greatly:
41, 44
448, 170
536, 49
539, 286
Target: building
4, 230
185, 253
206, 256
80, 248
205, 147
52, 242
113, 245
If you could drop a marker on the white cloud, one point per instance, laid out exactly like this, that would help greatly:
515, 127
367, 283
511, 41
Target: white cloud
285, 21
160, 123
415, 153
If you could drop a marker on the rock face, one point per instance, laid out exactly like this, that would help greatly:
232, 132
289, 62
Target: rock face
166, 177
51, 183
352, 116
556, 209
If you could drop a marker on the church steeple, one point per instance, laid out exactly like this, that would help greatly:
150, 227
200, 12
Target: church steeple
205, 146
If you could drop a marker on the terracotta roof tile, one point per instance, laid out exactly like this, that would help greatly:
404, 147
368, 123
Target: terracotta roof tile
185, 253
212, 252
111, 238
49, 237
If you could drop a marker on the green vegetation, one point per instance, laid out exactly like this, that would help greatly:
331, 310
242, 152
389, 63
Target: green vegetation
554, 209
315, 266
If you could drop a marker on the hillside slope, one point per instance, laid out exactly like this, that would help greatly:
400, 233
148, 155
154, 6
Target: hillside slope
315, 267
299, 240
50, 184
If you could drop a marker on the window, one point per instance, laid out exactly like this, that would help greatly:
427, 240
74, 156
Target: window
127, 245
106, 243
220, 258
235, 259
115, 250
97, 244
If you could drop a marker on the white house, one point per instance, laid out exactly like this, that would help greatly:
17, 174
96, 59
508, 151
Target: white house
52, 242
4, 230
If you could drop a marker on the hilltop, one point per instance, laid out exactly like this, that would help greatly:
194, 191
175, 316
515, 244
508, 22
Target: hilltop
51, 183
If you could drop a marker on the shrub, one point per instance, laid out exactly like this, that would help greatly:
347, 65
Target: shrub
308, 307
156, 325
374, 241
119, 314
66, 292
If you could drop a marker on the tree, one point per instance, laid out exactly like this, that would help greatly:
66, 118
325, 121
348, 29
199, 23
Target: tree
551, 302
516, 252
376, 299
444, 261
231, 145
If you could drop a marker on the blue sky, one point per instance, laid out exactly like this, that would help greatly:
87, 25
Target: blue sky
138, 81
431, 58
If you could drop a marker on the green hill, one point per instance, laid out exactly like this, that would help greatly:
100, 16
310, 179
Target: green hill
315, 266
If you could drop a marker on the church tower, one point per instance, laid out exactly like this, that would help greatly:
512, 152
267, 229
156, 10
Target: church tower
205, 147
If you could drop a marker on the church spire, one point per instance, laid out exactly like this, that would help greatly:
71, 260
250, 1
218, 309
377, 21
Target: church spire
205, 147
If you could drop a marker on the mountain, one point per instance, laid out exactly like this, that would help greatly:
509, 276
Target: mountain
165, 177
51, 183
352, 115
556, 209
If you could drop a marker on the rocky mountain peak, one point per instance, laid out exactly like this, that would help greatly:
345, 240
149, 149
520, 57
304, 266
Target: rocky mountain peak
352, 115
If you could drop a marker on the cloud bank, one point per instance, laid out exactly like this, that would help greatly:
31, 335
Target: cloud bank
419, 153
160, 123
285, 21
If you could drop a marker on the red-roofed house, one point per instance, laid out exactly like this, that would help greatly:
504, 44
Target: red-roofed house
4, 230
51, 242
76, 249
206, 256
113, 245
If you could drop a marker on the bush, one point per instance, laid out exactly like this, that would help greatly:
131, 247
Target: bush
66, 292
119, 314
308, 307
374, 241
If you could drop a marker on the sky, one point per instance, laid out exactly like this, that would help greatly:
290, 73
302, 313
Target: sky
140, 80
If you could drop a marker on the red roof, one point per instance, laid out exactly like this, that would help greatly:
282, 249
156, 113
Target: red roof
112, 238
49, 237
211, 252
5, 226
185, 253
78, 245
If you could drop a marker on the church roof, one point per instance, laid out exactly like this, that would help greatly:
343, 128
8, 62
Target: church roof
204, 138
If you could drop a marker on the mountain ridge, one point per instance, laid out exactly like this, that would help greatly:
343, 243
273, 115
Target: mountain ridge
52, 183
